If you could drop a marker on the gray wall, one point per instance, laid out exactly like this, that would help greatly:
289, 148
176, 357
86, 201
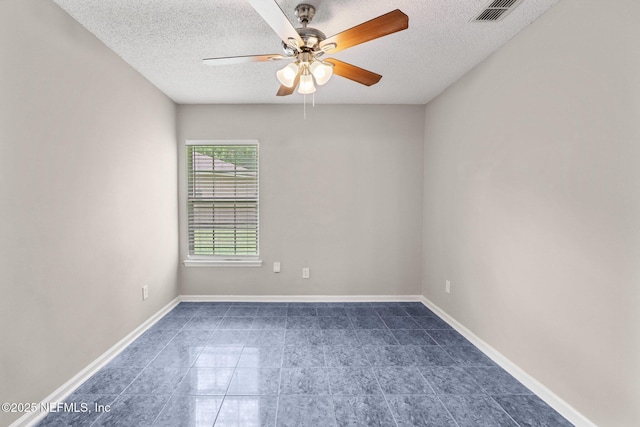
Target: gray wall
532, 204
88, 210
341, 193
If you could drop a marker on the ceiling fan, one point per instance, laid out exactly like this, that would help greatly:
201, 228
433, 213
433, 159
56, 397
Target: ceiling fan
306, 46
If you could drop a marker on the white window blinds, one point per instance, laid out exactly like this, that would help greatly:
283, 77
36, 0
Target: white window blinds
222, 199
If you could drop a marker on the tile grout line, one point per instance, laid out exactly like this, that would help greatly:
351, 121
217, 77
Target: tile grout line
186, 373
325, 369
139, 373
438, 397
384, 395
503, 410
224, 396
195, 360
281, 368
188, 368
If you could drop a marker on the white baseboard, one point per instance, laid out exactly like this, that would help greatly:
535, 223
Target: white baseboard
301, 298
566, 410
32, 418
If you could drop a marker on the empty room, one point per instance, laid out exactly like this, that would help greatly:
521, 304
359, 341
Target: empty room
320, 213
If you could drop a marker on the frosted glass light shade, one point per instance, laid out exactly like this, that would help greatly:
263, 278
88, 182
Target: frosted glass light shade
306, 84
322, 72
287, 75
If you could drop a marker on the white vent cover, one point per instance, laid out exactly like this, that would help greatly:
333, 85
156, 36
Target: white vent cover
496, 10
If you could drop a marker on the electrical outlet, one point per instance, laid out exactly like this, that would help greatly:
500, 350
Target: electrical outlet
145, 292
305, 273
276, 267
447, 286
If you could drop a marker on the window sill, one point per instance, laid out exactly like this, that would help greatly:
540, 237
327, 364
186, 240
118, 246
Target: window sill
222, 263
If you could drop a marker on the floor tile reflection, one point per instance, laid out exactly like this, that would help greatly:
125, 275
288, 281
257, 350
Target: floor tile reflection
250, 381
247, 411
189, 411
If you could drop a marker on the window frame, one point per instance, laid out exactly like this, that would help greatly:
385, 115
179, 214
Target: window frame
219, 260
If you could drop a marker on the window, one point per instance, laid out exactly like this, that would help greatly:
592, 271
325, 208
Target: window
222, 202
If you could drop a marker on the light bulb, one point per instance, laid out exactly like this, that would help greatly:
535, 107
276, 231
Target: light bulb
306, 84
287, 75
321, 71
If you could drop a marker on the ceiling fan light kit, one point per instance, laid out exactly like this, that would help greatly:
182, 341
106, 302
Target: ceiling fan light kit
322, 71
306, 85
305, 45
287, 75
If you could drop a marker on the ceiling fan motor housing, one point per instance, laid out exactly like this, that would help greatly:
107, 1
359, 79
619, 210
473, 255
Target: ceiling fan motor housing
310, 36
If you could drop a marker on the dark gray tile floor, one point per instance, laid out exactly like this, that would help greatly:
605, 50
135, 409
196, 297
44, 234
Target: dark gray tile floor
304, 364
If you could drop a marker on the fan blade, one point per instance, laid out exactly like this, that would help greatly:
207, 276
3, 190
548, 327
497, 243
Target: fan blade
229, 60
277, 20
383, 25
351, 72
285, 91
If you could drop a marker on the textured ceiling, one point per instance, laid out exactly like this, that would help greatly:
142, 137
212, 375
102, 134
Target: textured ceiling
165, 40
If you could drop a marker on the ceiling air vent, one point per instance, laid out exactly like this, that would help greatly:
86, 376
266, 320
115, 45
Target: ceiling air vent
496, 10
